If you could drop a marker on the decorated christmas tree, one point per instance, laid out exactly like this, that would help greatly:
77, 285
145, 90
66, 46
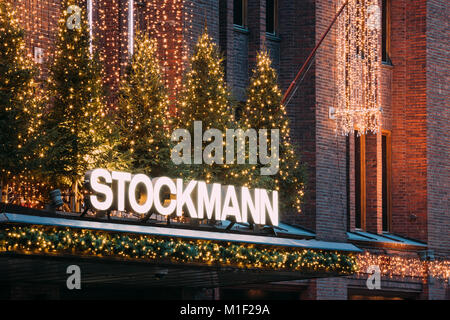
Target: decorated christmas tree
206, 98
263, 110
142, 116
77, 134
18, 105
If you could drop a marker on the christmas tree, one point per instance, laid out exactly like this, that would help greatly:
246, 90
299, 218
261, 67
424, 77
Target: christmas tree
77, 135
18, 105
206, 98
263, 110
142, 116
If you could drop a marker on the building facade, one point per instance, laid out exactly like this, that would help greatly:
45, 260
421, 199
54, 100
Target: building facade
388, 193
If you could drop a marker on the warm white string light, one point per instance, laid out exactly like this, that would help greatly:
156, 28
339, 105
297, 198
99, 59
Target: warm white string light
358, 99
393, 266
170, 23
90, 22
130, 27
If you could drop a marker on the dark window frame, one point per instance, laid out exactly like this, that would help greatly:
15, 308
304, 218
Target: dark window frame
240, 20
386, 145
273, 30
360, 181
386, 31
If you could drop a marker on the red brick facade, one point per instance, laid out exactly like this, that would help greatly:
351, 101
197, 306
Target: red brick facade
409, 105
414, 97
438, 118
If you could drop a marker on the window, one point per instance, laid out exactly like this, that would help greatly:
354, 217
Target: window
240, 13
360, 183
386, 30
271, 16
386, 161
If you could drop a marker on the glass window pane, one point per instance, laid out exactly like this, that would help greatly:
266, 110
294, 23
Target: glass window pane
385, 183
270, 16
358, 195
238, 13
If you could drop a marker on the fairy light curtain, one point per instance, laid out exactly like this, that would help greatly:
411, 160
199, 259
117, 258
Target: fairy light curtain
358, 60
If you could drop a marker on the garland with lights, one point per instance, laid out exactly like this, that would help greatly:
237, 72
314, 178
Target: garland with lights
398, 266
83, 242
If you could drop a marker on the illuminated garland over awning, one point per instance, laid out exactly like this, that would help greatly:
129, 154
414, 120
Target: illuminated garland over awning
43, 240
403, 267
358, 60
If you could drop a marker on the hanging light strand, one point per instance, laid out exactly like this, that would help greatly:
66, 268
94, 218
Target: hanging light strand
358, 99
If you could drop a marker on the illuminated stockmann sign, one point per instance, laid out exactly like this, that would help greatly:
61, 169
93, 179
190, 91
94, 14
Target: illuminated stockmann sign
122, 190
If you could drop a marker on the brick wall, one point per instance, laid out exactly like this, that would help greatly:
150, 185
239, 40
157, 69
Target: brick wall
331, 289
257, 27
409, 117
331, 204
438, 119
434, 289
238, 61
325, 289
297, 41
226, 35
204, 11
